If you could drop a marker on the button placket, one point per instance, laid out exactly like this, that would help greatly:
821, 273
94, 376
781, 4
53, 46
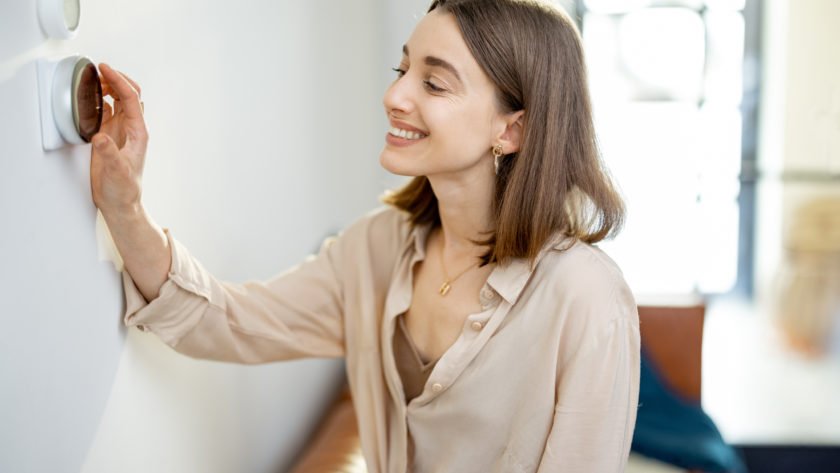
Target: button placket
455, 360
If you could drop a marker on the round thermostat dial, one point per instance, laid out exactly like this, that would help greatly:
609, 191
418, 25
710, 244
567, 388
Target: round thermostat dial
77, 99
59, 18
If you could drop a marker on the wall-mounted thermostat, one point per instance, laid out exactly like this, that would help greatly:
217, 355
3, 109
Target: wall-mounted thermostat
59, 18
71, 101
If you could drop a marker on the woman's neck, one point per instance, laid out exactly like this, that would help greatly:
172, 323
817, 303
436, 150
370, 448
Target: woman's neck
465, 209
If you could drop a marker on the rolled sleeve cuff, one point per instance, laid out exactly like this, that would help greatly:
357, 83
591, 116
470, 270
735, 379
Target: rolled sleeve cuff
177, 307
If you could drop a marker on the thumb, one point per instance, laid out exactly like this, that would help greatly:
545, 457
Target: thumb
105, 146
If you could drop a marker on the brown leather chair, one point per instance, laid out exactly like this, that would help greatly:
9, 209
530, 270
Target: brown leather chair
672, 336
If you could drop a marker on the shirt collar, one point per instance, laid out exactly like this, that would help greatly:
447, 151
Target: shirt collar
416, 241
509, 279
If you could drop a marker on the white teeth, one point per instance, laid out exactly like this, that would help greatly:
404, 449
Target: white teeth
409, 135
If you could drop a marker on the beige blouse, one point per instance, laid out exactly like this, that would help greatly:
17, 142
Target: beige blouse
544, 379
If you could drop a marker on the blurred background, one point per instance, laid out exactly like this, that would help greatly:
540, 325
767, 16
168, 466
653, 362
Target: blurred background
720, 120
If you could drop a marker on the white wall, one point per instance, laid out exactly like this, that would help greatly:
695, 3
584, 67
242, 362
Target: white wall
266, 124
60, 340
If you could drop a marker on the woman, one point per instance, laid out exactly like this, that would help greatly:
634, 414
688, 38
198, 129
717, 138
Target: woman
482, 331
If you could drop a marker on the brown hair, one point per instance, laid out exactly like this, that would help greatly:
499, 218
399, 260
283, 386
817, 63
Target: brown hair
557, 181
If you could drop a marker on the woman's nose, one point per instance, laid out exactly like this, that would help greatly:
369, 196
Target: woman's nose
398, 97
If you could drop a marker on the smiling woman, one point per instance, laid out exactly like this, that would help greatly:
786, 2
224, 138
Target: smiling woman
556, 181
482, 329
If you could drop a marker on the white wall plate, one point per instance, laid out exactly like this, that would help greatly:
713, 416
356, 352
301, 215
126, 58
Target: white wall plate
50, 136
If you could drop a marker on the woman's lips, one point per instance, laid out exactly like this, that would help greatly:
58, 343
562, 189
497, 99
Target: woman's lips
400, 141
403, 134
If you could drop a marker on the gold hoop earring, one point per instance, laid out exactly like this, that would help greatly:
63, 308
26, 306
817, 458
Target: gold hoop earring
497, 156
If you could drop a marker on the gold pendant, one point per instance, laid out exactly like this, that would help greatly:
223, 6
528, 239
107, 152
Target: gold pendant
444, 288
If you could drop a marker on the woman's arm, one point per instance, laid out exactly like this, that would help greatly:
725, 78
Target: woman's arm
116, 176
597, 397
298, 313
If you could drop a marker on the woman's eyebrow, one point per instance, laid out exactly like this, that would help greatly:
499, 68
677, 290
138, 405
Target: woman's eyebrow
437, 62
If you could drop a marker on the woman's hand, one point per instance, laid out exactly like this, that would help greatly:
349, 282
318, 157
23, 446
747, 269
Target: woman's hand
116, 181
119, 149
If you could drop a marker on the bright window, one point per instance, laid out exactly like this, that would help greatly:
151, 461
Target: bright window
666, 81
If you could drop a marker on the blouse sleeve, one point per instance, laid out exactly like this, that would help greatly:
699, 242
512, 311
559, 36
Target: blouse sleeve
597, 397
297, 314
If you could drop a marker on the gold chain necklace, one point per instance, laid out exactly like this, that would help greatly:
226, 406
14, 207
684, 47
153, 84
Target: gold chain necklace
447, 283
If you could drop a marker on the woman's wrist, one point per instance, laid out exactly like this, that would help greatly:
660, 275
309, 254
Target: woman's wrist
125, 216
143, 246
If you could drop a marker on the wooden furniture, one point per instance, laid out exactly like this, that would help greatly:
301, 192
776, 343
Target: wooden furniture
672, 337
335, 447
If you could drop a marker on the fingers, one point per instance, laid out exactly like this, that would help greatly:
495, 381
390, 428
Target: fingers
133, 84
107, 89
130, 81
123, 89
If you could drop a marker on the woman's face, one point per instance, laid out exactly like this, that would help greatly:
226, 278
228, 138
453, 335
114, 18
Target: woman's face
442, 107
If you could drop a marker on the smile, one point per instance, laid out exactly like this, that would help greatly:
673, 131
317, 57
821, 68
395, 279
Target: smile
409, 135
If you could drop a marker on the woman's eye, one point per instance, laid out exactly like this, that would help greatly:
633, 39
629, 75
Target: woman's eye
400, 72
429, 85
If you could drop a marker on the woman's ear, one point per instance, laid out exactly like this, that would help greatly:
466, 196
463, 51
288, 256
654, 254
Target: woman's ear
511, 137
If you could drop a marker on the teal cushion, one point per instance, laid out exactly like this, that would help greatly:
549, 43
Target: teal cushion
677, 431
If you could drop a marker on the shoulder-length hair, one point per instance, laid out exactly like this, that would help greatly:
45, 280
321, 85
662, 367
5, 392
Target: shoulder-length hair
557, 182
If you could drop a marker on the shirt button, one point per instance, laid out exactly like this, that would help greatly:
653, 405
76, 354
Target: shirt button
488, 293
437, 387
476, 326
